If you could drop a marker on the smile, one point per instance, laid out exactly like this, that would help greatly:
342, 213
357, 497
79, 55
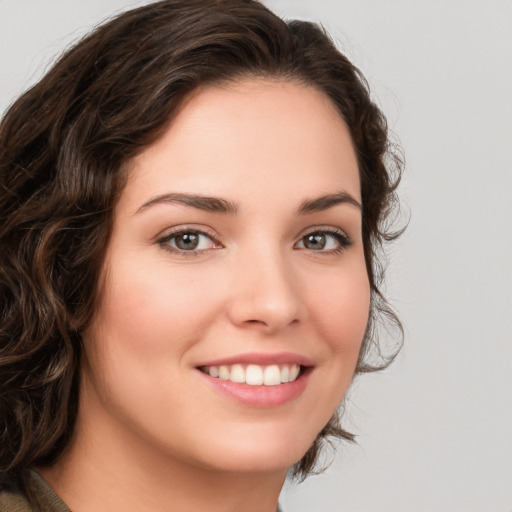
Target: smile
258, 379
255, 375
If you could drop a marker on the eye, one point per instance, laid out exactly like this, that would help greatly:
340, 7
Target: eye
325, 241
188, 240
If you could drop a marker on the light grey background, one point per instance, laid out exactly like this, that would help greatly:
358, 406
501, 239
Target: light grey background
434, 430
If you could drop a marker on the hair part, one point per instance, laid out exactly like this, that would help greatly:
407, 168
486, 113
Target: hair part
63, 146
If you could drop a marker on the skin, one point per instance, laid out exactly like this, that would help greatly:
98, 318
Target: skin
150, 429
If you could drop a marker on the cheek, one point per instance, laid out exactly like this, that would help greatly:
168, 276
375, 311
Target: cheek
139, 340
348, 322
341, 311
150, 310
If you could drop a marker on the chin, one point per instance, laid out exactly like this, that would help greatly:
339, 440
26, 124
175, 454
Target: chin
258, 462
258, 452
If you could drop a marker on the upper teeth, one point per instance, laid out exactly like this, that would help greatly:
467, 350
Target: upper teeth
255, 375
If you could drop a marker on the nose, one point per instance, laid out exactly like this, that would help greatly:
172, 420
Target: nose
265, 294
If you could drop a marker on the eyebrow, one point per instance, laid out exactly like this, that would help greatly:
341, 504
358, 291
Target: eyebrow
209, 204
322, 203
219, 205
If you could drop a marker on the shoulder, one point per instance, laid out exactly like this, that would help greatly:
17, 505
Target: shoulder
13, 499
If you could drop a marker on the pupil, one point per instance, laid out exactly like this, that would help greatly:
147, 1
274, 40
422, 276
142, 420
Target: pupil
315, 241
187, 241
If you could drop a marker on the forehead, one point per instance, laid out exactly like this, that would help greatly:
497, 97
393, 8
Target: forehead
254, 135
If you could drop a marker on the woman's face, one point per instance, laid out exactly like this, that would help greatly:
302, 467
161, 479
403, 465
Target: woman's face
236, 251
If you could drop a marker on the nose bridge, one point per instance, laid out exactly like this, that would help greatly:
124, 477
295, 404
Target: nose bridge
264, 291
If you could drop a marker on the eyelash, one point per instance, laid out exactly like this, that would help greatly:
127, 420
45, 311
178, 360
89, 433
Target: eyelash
342, 239
164, 242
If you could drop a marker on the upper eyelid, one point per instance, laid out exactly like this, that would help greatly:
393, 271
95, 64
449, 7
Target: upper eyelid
170, 232
323, 229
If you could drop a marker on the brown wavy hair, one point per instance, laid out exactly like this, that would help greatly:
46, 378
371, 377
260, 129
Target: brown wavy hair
63, 146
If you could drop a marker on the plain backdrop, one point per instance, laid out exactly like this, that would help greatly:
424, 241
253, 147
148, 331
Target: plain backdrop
434, 430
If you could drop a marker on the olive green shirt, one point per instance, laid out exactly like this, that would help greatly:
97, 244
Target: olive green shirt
15, 500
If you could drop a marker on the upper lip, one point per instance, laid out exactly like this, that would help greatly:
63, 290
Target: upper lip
262, 359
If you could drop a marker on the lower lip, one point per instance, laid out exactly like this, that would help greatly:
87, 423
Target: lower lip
260, 396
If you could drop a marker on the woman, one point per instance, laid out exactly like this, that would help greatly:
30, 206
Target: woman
192, 203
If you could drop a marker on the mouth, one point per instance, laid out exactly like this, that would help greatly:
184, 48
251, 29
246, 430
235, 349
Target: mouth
256, 375
259, 380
